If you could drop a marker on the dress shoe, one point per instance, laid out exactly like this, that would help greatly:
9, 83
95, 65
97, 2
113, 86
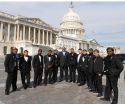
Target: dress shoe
104, 99
80, 84
99, 95
70, 81
7, 92
60, 80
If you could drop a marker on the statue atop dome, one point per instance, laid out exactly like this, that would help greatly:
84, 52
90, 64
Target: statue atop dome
71, 5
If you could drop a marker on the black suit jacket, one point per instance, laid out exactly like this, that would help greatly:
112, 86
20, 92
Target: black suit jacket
91, 59
25, 65
113, 65
83, 62
56, 59
48, 64
98, 65
36, 62
73, 59
10, 63
64, 60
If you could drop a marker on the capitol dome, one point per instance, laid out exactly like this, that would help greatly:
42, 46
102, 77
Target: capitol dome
71, 16
71, 24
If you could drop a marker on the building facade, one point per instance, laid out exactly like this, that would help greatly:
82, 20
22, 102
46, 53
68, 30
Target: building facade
71, 32
33, 33
25, 33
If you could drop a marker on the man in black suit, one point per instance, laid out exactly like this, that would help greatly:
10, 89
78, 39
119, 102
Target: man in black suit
72, 65
25, 68
81, 67
113, 68
64, 60
49, 65
38, 68
85, 67
56, 65
91, 59
98, 69
11, 67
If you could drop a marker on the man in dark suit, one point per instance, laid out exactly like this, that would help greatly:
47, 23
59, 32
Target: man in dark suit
64, 60
72, 65
98, 69
38, 68
56, 65
91, 59
85, 67
11, 67
25, 68
113, 68
49, 65
81, 67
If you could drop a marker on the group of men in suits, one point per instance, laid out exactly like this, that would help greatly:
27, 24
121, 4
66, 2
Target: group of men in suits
86, 67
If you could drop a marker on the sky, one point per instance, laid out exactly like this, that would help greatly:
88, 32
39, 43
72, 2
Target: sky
103, 21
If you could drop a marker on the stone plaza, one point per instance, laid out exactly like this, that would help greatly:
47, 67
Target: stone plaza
58, 93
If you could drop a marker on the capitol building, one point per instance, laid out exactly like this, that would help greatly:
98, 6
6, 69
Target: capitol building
33, 33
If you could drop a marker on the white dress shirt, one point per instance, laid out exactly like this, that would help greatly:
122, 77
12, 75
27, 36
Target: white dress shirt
64, 53
39, 58
49, 58
26, 58
78, 58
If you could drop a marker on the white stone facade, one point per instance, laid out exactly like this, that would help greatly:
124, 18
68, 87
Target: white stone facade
71, 32
24, 33
33, 33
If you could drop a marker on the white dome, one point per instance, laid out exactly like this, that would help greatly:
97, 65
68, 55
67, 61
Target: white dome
71, 16
71, 25
71, 20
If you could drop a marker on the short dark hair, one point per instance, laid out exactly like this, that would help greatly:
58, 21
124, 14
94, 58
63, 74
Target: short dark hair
96, 50
84, 50
25, 50
39, 50
90, 49
79, 49
110, 49
50, 51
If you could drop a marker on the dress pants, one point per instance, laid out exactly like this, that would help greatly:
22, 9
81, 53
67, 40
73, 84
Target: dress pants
25, 76
64, 70
11, 80
111, 84
38, 73
72, 70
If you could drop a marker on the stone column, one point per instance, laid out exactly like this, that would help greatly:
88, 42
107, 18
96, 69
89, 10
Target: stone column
43, 37
34, 36
15, 32
51, 38
8, 33
29, 34
1, 32
47, 38
23, 32
38, 36
18, 27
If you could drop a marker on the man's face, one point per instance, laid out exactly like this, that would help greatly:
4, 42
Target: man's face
96, 53
84, 52
49, 52
63, 49
25, 53
80, 51
39, 52
55, 51
72, 50
110, 52
14, 51
90, 51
